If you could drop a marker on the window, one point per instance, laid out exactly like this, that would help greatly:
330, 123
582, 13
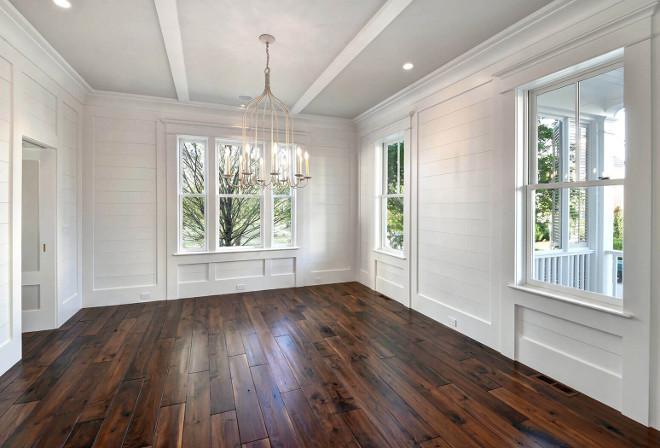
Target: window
239, 210
576, 177
192, 193
209, 206
392, 196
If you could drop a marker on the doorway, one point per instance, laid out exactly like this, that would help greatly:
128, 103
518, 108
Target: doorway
39, 218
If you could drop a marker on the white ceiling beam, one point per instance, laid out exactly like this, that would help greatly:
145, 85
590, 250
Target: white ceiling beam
385, 15
168, 17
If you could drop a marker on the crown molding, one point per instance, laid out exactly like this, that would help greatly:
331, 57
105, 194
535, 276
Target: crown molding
29, 32
511, 41
173, 106
632, 17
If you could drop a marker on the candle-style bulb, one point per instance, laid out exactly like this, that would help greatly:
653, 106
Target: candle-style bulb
306, 164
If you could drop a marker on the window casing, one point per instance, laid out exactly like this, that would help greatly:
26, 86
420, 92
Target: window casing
244, 219
574, 186
392, 197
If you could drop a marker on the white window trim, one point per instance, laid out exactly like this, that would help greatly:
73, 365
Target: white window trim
528, 283
381, 247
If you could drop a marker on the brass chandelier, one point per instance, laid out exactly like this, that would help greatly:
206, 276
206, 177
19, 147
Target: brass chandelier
267, 127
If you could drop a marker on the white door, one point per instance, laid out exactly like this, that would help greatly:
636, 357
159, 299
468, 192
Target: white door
38, 238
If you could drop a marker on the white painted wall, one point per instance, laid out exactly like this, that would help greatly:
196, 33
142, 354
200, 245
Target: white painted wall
464, 202
130, 206
41, 100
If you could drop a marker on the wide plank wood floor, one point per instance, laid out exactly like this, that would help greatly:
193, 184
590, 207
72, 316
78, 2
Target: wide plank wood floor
325, 366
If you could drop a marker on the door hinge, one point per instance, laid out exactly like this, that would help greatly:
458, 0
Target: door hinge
44, 247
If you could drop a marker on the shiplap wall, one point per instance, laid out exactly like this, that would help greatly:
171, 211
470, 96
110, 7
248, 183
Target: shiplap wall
5, 157
333, 202
68, 263
41, 101
131, 204
466, 203
125, 216
454, 203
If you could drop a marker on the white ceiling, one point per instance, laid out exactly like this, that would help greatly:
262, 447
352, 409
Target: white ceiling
118, 45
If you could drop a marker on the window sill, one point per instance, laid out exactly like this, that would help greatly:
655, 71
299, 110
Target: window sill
236, 251
391, 254
575, 300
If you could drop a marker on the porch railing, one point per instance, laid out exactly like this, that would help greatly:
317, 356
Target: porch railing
571, 268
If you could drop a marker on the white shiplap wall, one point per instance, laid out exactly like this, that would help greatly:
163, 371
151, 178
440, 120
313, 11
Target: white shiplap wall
333, 201
40, 100
5, 157
454, 197
467, 202
69, 210
124, 203
130, 221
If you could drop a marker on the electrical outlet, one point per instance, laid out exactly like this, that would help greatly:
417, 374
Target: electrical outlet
452, 322
145, 296
240, 287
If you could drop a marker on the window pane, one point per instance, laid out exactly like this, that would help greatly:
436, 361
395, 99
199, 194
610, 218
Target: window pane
193, 222
282, 221
239, 221
401, 165
555, 127
282, 191
193, 155
394, 225
579, 243
392, 167
234, 152
602, 112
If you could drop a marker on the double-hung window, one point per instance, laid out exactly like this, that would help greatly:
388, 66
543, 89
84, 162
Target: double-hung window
392, 197
216, 216
575, 182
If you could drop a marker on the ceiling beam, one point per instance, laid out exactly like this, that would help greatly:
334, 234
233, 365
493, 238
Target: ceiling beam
168, 17
385, 15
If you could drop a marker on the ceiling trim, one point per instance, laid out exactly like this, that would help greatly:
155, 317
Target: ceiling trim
40, 41
168, 18
381, 20
465, 58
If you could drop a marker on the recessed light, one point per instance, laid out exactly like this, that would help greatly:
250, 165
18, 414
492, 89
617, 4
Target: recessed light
245, 98
408, 66
63, 3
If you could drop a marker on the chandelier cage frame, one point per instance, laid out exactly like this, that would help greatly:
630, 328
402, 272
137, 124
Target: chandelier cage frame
282, 153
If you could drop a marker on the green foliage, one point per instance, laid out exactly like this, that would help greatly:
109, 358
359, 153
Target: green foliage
395, 185
545, 173
618, 229
395, 223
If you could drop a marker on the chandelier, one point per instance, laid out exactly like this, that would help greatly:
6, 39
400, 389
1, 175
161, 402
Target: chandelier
269, 157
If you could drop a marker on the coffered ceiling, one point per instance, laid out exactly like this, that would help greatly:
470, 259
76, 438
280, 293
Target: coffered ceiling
336, 58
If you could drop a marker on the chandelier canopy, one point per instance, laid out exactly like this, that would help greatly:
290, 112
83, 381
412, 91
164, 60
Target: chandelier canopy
269, 157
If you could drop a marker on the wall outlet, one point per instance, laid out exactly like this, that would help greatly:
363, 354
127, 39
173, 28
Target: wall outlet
317, 279
240, 287
145, 296
452, 322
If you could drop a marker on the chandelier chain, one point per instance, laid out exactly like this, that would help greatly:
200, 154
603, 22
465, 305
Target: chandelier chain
267, 56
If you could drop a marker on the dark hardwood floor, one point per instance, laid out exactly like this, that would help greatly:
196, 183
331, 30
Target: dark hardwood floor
326, 366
